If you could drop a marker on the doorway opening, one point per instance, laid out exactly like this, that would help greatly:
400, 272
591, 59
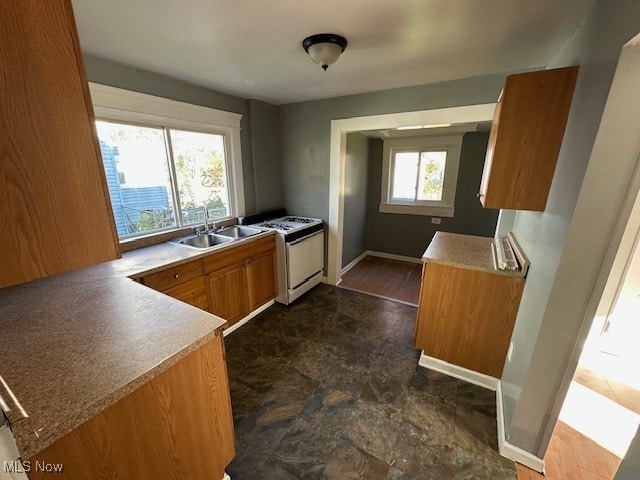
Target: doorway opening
600, 415
338, 162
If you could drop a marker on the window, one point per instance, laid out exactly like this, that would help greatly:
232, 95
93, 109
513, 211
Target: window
420, 175
164, 166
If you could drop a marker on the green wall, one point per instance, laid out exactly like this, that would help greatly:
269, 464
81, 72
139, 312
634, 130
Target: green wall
411, 234
354, 240
305, 131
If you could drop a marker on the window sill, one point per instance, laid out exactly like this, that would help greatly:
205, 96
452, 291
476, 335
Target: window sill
425, 210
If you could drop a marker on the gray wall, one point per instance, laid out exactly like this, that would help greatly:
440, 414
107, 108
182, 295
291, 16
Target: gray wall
544, 337
630, 467
355, 198
263, 122
265, 155
305, 131
414, 232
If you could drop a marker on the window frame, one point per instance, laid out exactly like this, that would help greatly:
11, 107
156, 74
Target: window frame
117, 105
452, 144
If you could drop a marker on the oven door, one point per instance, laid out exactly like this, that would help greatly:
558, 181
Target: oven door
305, 258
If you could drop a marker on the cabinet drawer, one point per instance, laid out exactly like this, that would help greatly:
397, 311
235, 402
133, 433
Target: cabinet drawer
192, 292
238, 254
173, 276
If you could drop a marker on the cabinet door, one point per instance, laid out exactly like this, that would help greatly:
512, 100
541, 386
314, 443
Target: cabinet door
228, 294
488, 160
177, 426
54, 202
526, 135
466, 317
262, 279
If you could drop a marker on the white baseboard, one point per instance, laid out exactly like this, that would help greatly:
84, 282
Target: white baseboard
393, 256
354, 262
508, 450
480, 379
242, 322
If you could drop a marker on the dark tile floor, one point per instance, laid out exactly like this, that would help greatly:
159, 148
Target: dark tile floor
329, 388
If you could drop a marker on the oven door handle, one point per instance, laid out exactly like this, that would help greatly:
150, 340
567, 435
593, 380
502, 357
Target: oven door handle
305, 237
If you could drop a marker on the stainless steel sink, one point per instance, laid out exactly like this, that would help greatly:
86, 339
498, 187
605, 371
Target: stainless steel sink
238, 231
206, 240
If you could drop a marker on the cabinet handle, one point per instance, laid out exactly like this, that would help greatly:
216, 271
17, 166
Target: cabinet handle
176, 276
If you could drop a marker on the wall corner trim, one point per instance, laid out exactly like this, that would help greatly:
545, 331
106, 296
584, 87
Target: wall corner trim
354, 262
508, 450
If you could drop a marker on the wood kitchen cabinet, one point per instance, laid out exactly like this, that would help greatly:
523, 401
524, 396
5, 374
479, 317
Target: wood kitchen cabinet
241, 279
183, 282
228, 292
178, 425
230, 283
466, 317
467, 308
525, 139
54, 202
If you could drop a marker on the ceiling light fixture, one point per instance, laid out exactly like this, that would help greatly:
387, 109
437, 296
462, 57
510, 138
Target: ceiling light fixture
324, 48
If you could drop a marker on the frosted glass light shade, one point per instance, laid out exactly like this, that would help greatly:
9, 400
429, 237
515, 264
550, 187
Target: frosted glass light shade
324, 48
325, 54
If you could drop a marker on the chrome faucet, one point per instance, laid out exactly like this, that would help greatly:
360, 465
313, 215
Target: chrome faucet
205, 227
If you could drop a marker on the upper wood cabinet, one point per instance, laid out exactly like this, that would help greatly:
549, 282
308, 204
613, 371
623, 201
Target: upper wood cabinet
54, 204
526, 134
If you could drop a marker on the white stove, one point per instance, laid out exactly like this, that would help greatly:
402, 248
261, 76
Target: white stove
299, 252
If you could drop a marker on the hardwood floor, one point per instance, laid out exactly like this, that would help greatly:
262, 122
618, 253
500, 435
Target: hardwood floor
387, 278
598, 420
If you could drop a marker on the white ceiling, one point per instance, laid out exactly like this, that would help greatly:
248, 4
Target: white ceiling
252, 48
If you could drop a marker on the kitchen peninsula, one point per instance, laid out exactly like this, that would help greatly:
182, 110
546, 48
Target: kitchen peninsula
101, 373
467, 307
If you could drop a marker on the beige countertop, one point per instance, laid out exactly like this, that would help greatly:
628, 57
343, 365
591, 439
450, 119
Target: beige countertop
76, 343
464, 251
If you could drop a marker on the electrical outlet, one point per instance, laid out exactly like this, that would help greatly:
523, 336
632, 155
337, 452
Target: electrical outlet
510, 352
436, 220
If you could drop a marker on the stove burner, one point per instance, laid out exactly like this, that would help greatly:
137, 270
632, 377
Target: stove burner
297, 220
278, 226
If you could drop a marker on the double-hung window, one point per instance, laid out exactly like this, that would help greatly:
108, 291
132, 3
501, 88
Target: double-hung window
167, 164
420, 174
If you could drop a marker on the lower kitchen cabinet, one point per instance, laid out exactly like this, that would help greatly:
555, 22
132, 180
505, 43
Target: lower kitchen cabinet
241, 280
466, 316
184, 282
230, 283
228, 293
178, 425
261, 275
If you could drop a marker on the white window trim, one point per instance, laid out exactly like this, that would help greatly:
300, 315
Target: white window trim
452, 144
117, 104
